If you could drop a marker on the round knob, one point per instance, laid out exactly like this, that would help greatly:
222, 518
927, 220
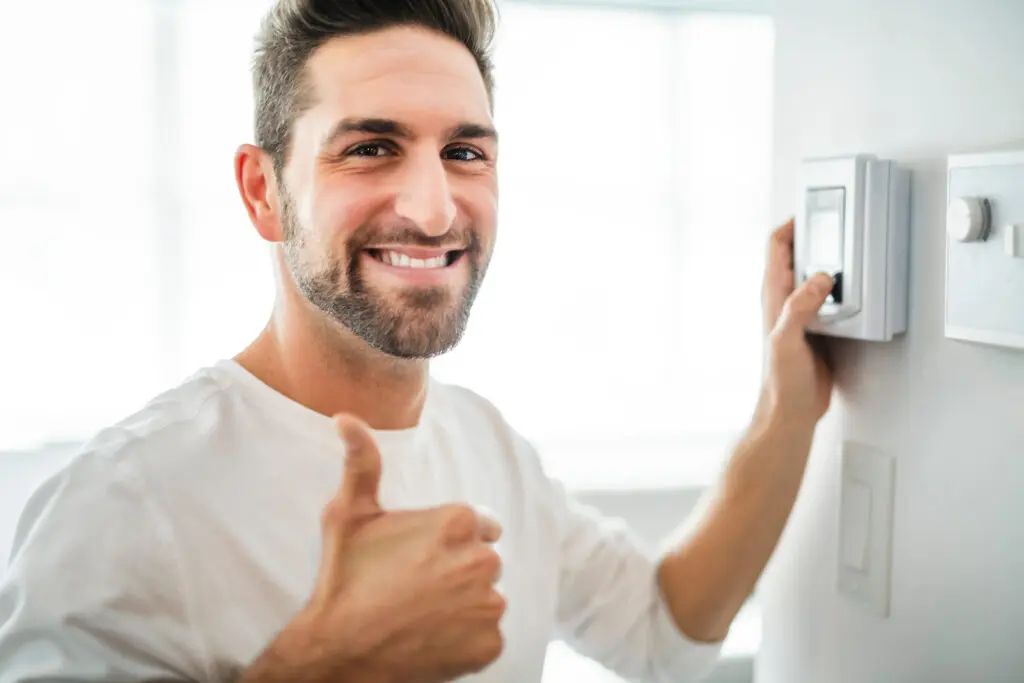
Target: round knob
968, 218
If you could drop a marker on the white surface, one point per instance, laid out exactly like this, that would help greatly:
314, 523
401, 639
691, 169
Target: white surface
984, 281
914, 80
854, 525
865, 527
1010, 340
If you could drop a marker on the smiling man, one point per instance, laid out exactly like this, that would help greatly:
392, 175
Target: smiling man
318, 508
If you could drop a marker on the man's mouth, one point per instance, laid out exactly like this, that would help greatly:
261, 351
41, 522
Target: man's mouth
418, 259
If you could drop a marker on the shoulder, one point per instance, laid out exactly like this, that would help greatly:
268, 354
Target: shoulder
470, 418
471, 413
456, 401
174, 434
106, 479
189, 412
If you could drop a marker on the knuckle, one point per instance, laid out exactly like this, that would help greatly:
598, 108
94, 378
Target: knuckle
460, 522
498, 603
486, 561
492, 644
492, 561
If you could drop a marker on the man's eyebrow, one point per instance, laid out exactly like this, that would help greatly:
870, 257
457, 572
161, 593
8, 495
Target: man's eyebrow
390, 127
474, 131
370, 126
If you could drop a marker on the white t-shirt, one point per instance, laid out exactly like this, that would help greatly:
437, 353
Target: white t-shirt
180, 541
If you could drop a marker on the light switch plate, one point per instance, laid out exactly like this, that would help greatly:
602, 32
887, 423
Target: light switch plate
984, 278
865, 526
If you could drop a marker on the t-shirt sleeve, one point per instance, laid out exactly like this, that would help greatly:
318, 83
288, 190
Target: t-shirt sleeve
92, 589
610, 606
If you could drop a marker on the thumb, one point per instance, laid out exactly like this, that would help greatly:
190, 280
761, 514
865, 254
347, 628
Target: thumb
358, 494
356, 500
803, 305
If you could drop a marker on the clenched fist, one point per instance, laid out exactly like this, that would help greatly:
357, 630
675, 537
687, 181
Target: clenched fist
402, 596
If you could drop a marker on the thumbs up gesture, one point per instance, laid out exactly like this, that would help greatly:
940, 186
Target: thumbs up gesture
401, 595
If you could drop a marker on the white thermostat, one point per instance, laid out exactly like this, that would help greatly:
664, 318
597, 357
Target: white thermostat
853, 222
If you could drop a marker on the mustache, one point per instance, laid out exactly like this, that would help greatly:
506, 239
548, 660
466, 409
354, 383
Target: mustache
369, 236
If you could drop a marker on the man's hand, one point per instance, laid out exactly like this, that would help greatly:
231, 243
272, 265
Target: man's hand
708, 578
401, 597
798, 381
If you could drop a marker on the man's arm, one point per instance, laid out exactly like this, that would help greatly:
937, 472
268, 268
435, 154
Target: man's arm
707, 579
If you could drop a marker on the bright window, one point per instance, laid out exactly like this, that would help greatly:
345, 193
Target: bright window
618, 327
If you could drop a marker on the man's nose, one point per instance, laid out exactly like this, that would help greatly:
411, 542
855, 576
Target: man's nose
425, 197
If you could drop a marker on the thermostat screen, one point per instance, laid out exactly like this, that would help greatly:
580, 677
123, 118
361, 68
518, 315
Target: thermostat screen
825, 213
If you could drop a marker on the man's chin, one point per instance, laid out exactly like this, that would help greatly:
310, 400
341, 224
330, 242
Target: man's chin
417, 347
422, 325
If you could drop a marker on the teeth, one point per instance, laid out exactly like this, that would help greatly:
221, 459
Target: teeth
394, 258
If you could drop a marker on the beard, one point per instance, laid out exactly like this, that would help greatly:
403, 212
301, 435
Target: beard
413, 323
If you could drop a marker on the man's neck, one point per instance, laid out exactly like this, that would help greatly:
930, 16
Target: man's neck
330, 371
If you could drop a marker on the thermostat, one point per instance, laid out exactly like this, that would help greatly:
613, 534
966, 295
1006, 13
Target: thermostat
853, 222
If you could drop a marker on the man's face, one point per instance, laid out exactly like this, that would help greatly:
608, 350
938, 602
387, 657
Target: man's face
389, 196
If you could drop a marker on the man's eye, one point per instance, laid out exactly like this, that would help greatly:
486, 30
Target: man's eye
462, 154
371, 149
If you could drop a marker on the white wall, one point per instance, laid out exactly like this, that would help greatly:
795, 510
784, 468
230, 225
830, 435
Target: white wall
914, 80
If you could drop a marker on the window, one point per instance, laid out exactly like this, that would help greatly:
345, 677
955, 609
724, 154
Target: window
618, 327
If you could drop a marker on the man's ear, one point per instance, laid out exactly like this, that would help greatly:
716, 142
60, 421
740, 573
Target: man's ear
257, 183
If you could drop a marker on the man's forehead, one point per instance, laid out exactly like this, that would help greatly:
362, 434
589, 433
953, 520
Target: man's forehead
399, 73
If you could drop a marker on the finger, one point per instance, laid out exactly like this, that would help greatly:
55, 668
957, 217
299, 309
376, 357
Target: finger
803, 305
778, 275
355, 500
488, 525
480, 564
780, 249
462, 523
360, 484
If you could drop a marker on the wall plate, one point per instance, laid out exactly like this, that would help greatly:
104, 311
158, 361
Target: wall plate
985, 273
865, 526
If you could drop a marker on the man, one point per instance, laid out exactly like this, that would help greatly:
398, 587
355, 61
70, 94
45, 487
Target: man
207, 537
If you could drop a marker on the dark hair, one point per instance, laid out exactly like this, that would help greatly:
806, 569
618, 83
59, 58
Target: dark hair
294, 29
